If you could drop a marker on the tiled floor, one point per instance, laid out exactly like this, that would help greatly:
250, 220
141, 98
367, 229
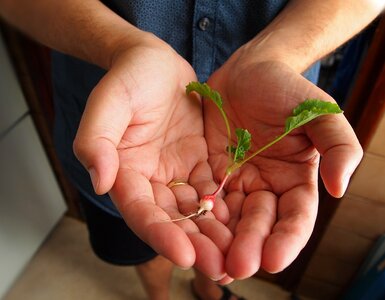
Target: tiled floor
65, 268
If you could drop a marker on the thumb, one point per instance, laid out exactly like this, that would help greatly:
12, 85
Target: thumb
103, 123
341, 152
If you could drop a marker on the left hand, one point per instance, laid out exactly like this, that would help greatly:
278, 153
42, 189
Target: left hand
273, 199
140, 131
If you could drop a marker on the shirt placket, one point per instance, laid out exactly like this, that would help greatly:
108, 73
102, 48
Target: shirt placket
203, 52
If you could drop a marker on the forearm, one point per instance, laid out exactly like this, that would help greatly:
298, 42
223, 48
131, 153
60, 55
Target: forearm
305, 31
86, 29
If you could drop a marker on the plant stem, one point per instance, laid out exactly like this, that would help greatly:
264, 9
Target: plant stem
239, 164
228, 129
220, 187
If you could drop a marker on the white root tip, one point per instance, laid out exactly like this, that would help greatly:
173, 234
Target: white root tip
200, 211
185, 218
205, 205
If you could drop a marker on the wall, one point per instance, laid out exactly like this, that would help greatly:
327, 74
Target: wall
31, 202
357, 223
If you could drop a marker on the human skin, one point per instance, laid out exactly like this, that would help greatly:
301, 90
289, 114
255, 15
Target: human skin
139, 130
124, 118
273, 199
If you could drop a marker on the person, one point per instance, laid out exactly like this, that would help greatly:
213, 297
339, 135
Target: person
120, 74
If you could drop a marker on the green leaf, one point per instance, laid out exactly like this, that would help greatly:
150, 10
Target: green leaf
231, 149
206, 91
243, 144
309, 110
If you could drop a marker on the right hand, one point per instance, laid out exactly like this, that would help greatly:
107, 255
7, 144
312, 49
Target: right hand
140, 131
273, 198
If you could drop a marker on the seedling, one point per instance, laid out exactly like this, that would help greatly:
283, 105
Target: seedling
302, 114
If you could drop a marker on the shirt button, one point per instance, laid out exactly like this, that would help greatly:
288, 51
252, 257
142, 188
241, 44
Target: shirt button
204, 23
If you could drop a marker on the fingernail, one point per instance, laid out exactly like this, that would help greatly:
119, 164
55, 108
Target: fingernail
94, 178
345, 182
183, 268
220, 277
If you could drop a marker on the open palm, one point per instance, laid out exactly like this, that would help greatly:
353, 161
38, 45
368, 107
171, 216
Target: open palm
273, 198
139, 132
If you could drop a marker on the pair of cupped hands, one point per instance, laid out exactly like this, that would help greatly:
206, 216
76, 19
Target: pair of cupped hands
140, 131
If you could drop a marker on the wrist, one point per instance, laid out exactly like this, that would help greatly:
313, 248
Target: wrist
275, 46
305, 31
137, 39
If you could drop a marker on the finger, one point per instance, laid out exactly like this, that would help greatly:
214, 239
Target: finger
209, 237
341, 152
103, 123
209, 258
216, 231
258, 217
201, 179
234, 201
133, 195
186, 199
297, 211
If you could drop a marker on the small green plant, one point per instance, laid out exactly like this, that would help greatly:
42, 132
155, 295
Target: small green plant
302, 114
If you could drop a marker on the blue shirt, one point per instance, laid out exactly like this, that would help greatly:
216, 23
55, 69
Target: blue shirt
204, 32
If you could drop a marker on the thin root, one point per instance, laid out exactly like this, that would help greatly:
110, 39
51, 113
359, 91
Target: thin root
196, 214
